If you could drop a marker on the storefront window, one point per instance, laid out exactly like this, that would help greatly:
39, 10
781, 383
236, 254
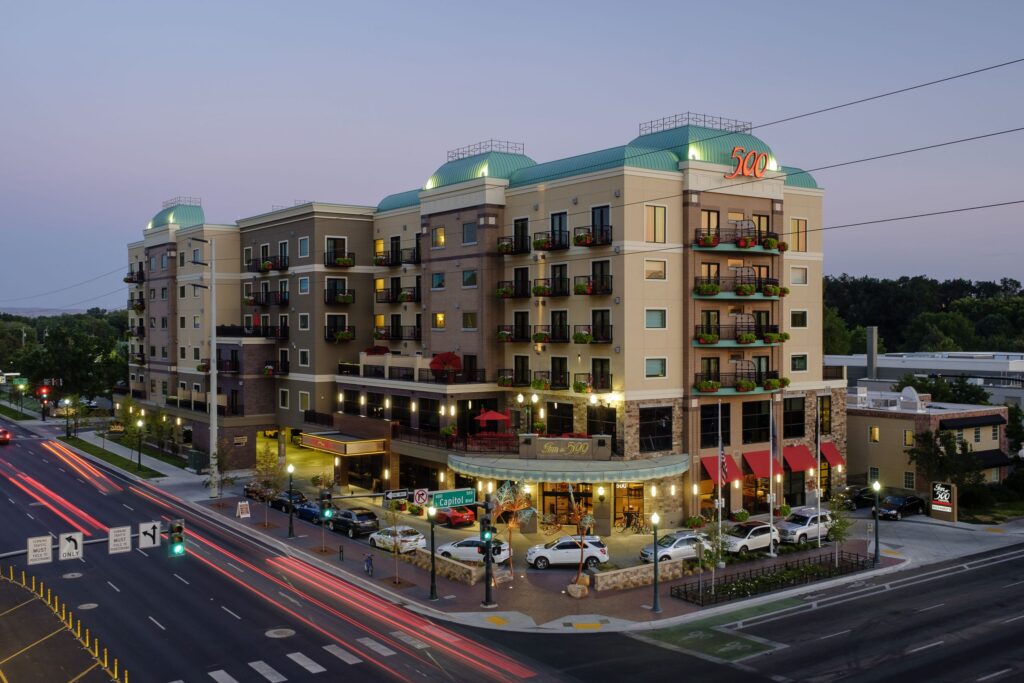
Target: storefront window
400, 410
793, 488
825, 479
706, 495
351, 403
559, 418
709, 425
755, 421
601, 420
430, 419
755, 494
825, 414
629, 498
655, 429
556, 500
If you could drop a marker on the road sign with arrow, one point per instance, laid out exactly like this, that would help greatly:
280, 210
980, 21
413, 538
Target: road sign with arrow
70, 546
149, 535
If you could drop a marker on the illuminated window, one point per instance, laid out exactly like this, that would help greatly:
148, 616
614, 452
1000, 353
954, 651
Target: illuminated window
908, 437
437, 237
709, 221
798, 234
437, 321
378, 320
378, 285
874, 434
654, 270
654, 224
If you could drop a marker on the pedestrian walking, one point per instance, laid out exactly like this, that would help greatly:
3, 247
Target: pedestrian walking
368, 564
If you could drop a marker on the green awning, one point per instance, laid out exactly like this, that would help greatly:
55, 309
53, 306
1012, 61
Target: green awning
570, 471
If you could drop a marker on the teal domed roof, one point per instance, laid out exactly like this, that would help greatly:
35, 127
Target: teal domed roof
182, 215
705, 144
797, 177
591, 162
399, 200
491, 164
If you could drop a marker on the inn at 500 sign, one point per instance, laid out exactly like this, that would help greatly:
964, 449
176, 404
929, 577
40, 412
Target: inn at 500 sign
750, 164
942, 497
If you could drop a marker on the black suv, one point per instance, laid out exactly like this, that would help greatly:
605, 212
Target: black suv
257, 490
285, 501
355, 522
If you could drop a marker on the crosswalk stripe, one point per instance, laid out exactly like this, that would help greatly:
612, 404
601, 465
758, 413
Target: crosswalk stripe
306, 663
376, 647
222, 676
342, 654
267, 671
410, 640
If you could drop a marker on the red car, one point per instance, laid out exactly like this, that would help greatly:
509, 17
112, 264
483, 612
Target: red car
454, 516
5, 437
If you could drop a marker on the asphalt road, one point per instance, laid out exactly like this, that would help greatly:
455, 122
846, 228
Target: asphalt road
232, 610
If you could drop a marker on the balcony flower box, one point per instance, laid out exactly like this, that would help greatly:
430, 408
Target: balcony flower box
504, 380
707, 241
708, 386
203, 367
344, 336
380, 260
745, 290
343, 298
772, 384
770, 243
583, 240
783, 291
709, 289
404, 297
582, 387
505, 248
248, 300
542, 244
746, 338
785, 382
504, 292
783, 246
344, 262
583, 288
784, 336
707, 338
540, 384
538, 427
268, 370
770, 290
541, 338
504, 336
582, 338
745, 385
746, 242
380, 334
772, 337
541, 290
139, 306
266, 266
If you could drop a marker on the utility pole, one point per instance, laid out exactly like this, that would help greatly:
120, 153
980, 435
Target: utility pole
211, 398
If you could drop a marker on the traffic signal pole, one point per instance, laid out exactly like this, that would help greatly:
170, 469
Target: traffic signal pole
487, 533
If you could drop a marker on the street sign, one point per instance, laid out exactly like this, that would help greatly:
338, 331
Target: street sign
40, 550
149, 535
419, 496
454, 498
119, 540
70, 546
396, 494
20, 381
243, 509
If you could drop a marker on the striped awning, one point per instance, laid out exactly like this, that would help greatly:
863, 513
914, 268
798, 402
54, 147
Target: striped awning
569, 471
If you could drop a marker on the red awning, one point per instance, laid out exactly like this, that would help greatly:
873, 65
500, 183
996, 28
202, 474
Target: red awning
729, 472
799, 458
832, 454
758, 462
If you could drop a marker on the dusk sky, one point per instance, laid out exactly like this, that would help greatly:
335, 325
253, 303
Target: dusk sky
107, 109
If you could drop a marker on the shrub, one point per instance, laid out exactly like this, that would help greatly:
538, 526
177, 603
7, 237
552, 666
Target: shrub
504, 336
542, 244
746, 338
707, 338
708, 289
541, 337
785, 382
770, 243
783, 291
540, 384
344, 262
344, 335
740, 515
344, 298
582, 338
449, 430
745, 242
708, 241
745, 289
505, 248
746, 385
583, 239
541, 290
770, 290
772, 337
708, 386
415, 510
377, 350
783, 246
583, 288
503, 292
772, 384
504, 380
976, 496
581, 387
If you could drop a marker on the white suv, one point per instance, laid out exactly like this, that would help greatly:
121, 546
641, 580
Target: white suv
804, 525
566, 550
750, 536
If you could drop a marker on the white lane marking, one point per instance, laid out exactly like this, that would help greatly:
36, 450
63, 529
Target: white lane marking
833, 635
306, 663
372, 644
29, 516
12, 501
53, 535
222, 676
1011, 585
230, 612
157, 623
142, 551
925, 647
288, 597
925, 609
267, 671
128, 506
79, 480
236, 568
410, 640
62, 470
993, 675
114, 587
181, 579
343, 655
1014, 619
45, 460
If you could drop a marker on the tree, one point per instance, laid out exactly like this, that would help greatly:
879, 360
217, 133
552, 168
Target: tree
941, 457
839, 529
515, 505
1015, 428
959, 390
270, 473
940, 332
834, 332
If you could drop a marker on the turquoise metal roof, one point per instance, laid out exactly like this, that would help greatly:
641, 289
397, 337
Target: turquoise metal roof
704, 144
491, 164
570, 471
182, 215
797, 177
399, 200
614, 157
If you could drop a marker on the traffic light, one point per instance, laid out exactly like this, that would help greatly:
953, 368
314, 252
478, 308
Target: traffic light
486, 530
326, 509
176, 538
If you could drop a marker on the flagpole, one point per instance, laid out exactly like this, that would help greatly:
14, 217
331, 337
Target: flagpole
721, 456
771, 489
817, 452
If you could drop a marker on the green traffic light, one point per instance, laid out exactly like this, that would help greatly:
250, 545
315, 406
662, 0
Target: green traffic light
328, 513
178, 548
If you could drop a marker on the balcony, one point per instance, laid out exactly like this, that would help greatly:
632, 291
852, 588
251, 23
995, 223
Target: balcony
409, 295
547, 286
139, 331
228, 365
474, 376
267, 332
265, 264
374, 371
139, 358
589, 334
587, 285
267, 299
513, 289
339, 259
276, 367
339, 334
587, 383
750, 382
348, 369
592, 236
386, 296
135, 277
484, 442
410, 255
339, 296
544, 380
550, 241
513, 333
387, 258
402, 373
398, 333
315, 418
514, 245
137, 305
738, 237
551, 334
739, 287
737, 335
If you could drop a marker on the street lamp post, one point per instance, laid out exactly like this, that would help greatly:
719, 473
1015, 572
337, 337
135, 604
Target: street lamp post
291, 502
139, 423
878, 558
656, 605
67, 417
431, 514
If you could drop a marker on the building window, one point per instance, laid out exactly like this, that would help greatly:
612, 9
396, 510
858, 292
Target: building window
469, 278
709, 425
798, 319
181, 322
437, 238
960, 436
437, 281
977, 435
152, 323
152, 295
469, 233
995, 432
303, 358
181, 292
872, 474
655, 429
163, 261
282, 398
654, 224
655, 367
798, 234
908, 437
874, 433
181, 353
195, 353
437, 321
654, 270
303, 321
654, 318
469, 320
908, 480
163, 322
195, 256
793, 418
303, 401
798, 363
196, 322
303, 285
709, 222
152, 262
181, 259
825, 414
303, 247
797, 276
163, 388
163, 352
756, 415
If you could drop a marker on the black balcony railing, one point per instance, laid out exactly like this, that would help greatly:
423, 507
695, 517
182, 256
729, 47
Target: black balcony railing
276, 367
227, 365
592, 236
483, 442
375, 371
339, 259
137, 304
409, 295
139, 358
410, 255
514, 245
731, 380
585, 382
402, 373
548, 286
550, 241
397, 333
267, 332
550, 334
513, 289
600, 285
340, 333
334, 295
559, 380
265, 264
733, 234
511, 377
514, 333
474, 376
386, 296
135, 277
746, 285
348, 369
387, 258
714, 333
592, 334
138, 393
139, 331
268, 299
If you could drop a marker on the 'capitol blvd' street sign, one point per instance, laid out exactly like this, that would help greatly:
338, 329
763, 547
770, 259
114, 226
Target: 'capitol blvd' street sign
453, 498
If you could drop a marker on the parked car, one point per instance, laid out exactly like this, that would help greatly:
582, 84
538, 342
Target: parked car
310, 511
285, 501
454, 516
751, 536
5, 436
678, 545
355, 522
257, 490
859, 497
897, 507
471, 550
804, 525
407, 538
566, 550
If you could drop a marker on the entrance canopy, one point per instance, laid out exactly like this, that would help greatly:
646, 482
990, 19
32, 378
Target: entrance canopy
569, 471
729, 470
799, 458
832, 454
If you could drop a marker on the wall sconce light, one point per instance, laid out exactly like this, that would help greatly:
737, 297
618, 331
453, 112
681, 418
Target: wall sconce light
362, 400
469, 404
387, 474
736, 484
593, 399
412, 406
440, 476
696, 489
451, 411
479, 486
778, 478
618, 349
131, 409
490, 487
672, 490
839, 468
142, 412
337, 461
541, 413
534, 398
526, 489
341, 397
177, 421
600, 493
164, 419
519, 399
654, 491
442, 411
387, 403
575, 201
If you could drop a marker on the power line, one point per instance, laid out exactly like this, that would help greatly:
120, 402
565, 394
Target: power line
62, 289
